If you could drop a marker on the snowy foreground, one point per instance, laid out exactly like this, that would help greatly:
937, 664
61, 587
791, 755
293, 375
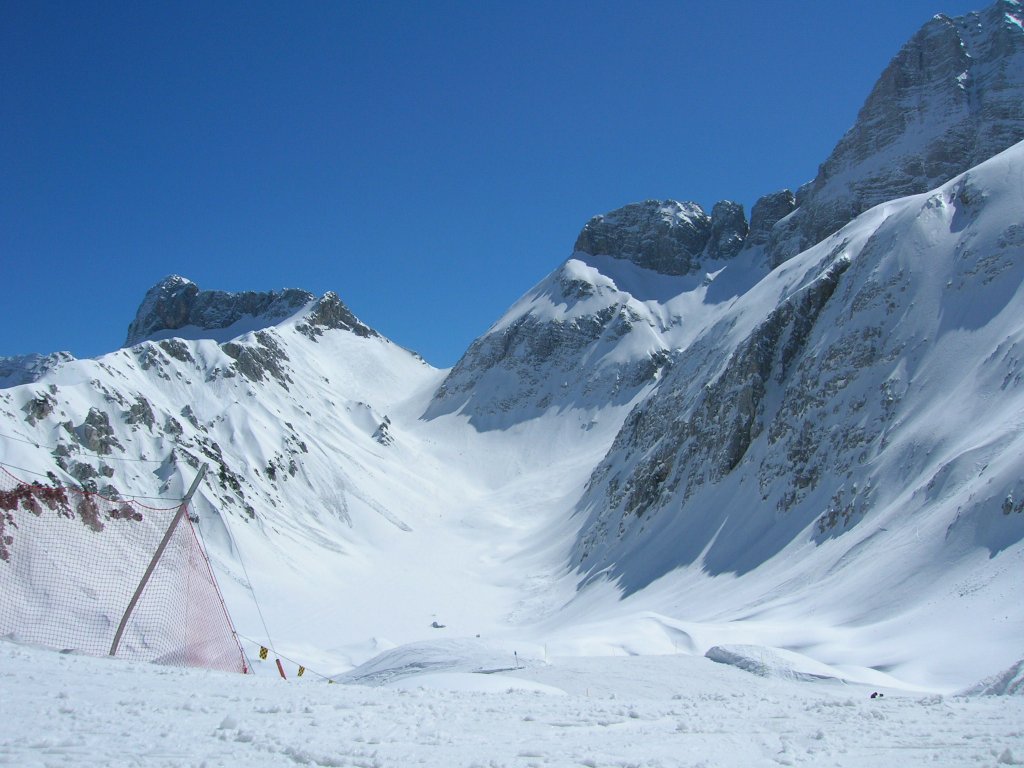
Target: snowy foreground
60, 709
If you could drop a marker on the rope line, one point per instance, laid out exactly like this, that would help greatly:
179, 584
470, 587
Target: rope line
278, 653
38, 444
248, 581
255, 600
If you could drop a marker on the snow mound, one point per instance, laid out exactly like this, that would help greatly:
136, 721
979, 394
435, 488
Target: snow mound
473, 682
432, 660
765, 661
1009, 682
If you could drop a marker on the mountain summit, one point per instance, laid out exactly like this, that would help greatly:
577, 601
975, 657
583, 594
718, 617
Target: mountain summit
952, 97
176, 307
667, 237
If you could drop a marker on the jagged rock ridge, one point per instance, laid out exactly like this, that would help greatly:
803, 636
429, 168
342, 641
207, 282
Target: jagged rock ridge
176, 303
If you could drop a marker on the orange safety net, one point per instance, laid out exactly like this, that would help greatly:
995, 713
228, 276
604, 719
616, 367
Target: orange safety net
70, 562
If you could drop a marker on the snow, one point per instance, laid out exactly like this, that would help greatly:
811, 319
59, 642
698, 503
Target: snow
655, 711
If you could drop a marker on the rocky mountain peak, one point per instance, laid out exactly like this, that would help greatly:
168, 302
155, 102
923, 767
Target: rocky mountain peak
663, 236
666, 236
176, 302
952, 97
329, 312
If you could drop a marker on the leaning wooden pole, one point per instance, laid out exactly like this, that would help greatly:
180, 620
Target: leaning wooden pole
156, 558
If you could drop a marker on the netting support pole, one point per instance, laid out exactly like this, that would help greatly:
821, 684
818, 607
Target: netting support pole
156, 558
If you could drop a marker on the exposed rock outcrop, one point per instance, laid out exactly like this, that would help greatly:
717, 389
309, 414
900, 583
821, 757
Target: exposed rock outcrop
265, 357
96, 434
39, 407
176, 302
537, 363
663, 236
767, 212
728, 230
666, 236
330, 312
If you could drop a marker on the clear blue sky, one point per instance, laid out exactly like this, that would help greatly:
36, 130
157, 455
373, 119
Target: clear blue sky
429, 161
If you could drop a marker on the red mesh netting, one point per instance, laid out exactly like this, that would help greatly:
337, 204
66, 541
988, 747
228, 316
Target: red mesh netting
70, 562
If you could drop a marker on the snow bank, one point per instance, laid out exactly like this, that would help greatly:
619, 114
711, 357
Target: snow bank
1009, 682
457, 656
475, 682
772, 662
657, 712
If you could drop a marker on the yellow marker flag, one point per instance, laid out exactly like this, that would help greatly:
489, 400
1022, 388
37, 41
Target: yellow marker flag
263, 652
302, 670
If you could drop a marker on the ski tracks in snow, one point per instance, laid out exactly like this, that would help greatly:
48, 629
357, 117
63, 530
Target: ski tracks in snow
71, 710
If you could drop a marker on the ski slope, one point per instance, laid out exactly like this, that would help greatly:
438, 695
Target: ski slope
655, 711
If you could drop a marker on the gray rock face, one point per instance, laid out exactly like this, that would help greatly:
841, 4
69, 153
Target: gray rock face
140, 412
512, 371
176, 302
728, 230
330, 312
686, 435
767, 212
663, 236
39, 407
951, 98
96, 434
536, 361
264, 358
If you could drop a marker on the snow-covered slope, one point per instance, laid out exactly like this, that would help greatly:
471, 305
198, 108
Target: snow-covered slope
599, 330
22, 369
666, 446
356, 522
847, 444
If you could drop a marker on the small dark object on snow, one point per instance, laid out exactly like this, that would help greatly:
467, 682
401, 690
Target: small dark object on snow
877, 695
435, 625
